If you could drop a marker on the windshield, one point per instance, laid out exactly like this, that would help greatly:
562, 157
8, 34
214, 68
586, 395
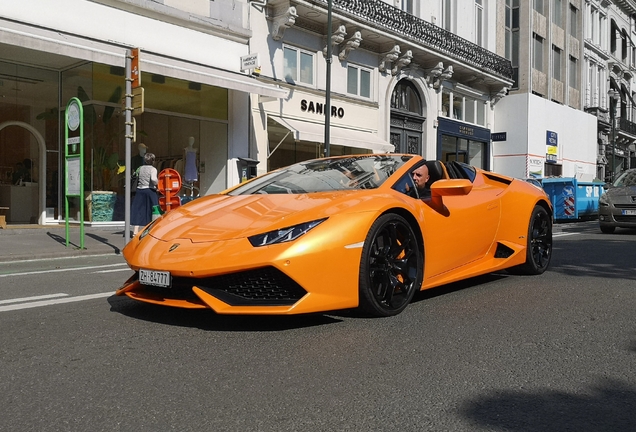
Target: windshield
321, 175
628, 178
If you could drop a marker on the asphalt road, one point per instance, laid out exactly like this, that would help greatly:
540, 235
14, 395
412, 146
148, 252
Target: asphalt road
555, 352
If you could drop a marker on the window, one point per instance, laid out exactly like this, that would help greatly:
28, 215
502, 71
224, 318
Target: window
481, 113
556, 63
553, 170
469, 109
573, 21
447, 14
407, 6
537, 58
538, 6
299, 66
574, 72
359, 81
479, 23
512, 38
556, 13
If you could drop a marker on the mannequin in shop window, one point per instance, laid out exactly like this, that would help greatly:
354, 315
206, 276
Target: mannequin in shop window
138, 160
191, 172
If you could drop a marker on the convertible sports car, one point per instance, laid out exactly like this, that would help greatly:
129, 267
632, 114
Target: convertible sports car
339, 233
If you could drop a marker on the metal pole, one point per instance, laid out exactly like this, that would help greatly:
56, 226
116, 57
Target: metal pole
328, 86
128, 135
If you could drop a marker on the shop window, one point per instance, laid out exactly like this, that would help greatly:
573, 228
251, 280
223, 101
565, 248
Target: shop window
445, 103
553, 170
458, 112
359, 81
299, 66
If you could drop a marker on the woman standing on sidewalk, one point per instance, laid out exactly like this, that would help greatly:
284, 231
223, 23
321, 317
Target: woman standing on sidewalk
146, 196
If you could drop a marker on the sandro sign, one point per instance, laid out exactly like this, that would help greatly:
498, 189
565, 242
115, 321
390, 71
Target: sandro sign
319, 108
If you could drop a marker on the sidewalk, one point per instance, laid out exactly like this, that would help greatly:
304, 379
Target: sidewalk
27, 242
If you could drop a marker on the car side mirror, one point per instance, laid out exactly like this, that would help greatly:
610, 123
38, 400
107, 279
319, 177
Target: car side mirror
606, 186
452, 187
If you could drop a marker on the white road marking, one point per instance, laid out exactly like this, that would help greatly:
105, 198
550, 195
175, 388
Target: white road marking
564, 234
111, 271
26, 299
35, 304
61, 270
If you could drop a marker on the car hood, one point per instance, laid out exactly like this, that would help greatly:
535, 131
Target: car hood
622, 195
224, 217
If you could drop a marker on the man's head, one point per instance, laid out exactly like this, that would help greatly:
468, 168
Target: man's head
420, 176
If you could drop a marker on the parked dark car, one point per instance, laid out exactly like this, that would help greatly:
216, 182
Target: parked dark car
617, 205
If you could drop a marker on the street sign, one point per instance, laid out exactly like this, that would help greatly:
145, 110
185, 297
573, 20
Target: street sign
249, 62
138, 101
498, 136
135, 71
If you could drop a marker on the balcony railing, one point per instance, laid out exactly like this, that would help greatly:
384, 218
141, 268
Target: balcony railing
393, 20
627, 126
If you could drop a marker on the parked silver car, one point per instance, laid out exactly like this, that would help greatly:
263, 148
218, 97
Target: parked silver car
617, 206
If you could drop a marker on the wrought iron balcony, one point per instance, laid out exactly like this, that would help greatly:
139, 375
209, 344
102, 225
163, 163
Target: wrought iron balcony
627, 126
390, 19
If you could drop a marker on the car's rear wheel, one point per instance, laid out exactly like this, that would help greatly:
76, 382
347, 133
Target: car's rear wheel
539, 248
606, 229
391, 267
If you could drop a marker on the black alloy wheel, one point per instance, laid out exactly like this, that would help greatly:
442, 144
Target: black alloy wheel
391, 267
539, 249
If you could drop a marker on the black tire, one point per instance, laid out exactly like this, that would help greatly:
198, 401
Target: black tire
606, 229
391, 267
539, 247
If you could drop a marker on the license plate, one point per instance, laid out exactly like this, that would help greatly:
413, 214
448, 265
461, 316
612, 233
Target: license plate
629, 212
155, 278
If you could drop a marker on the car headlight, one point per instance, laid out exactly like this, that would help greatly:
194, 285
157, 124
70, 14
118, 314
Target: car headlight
146, 230
283, 235
603, 200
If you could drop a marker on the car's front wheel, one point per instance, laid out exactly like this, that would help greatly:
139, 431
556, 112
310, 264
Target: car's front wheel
539, 243
391, 267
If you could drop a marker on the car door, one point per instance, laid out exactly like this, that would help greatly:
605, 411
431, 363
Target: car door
464, 231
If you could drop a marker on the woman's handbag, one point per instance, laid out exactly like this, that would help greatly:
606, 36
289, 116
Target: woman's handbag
134, 180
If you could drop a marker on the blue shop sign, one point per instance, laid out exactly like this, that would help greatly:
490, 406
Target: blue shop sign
552, 138
462, 130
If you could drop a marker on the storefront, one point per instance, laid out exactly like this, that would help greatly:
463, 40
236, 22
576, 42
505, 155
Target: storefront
191, 95
463, 142
293, 130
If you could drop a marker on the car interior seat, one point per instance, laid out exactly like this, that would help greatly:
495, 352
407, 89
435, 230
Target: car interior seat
435, 172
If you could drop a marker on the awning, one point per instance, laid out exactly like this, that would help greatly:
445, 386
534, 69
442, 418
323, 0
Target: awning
207, 75
60, 51
315, 132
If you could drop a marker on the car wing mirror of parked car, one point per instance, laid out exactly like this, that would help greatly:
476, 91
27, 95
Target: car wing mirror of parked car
606, 186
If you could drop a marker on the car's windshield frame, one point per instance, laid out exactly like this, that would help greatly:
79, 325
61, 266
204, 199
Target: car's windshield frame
326, 175
626, 179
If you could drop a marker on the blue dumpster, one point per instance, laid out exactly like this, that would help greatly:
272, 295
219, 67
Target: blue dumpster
573, 199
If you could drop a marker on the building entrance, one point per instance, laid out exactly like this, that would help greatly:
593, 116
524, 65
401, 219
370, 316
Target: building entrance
407, 122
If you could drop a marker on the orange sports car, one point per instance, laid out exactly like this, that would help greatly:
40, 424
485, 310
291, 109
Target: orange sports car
339, 233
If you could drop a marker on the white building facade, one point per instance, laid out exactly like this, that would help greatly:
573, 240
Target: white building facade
408, 77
